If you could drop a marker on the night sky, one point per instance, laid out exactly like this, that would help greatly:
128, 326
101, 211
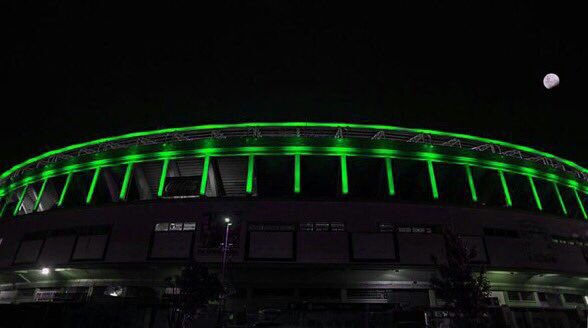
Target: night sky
77, 73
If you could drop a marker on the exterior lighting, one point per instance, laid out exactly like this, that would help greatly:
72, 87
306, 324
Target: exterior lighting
45, 271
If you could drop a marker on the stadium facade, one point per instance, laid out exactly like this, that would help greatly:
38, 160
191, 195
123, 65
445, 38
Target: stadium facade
331, 224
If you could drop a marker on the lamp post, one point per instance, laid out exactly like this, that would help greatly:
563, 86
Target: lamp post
229, 223
224, 264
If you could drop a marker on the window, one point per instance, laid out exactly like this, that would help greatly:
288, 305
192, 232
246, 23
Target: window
520, 296
573, 298
322, 226
367, 177
175, 226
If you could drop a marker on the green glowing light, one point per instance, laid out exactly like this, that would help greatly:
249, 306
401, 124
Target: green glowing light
126, 182
471, 183
38, 200
433, 180
560, 198
507, 198
390, 176
64, 190
297, 173
250, 163
204, 179
7, 200
289, 124
20, 200
344, 181
162, 178
93, 185
580, 204
535, 193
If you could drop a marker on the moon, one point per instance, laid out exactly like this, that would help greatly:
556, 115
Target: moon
551, 81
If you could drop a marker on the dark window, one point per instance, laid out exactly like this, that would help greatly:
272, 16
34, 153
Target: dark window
452, 183
548, 196
78, 188
411, 179
320, 176
521, 192
574, 298
108, 185
571, 202
488, 186
367, 177
274, 176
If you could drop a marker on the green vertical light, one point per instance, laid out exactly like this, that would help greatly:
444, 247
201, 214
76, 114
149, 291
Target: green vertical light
8, 197
93, 185
390, 176
162, 178
560, 198
20, 200
535, 193
38, 200
471, 183
580, 205
124, 189
204, 179
249, 186
344, 180
297, 173
505, 189
64, 190
433, 180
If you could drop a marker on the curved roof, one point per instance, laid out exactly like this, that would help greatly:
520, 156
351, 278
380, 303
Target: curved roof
310, 129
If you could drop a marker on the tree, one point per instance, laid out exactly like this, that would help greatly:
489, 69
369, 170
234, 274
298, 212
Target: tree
192, 290
462, 286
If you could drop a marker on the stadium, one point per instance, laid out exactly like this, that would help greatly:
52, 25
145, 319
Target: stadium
323, 224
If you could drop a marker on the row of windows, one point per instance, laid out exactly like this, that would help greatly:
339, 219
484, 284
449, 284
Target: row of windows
523, 296
315, 177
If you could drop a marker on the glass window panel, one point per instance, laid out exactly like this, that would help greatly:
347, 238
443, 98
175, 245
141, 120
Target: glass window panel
274, 176
367, 177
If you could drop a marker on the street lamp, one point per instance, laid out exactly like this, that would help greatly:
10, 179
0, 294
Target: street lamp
226, 247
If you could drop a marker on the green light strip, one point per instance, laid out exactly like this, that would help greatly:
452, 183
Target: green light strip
162, 178
20, 200
433, 180
64, 190
561, 201
390, 176
124, 189
5, 206
344, 180
93, 185
471, 183
204, 179
249, 186
289, 124
535, 193
297, 173
580, 205
302, 150
505, 189
38, 200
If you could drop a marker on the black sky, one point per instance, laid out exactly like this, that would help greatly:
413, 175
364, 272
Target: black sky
75, 73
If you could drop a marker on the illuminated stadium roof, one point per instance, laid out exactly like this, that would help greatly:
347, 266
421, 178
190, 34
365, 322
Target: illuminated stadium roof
296, 139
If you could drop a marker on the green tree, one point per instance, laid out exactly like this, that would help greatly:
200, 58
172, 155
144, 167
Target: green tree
192, 290
462, 285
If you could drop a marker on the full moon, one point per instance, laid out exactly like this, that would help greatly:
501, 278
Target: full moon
551, 81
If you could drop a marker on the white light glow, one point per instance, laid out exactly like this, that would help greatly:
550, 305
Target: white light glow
551, 81
45, 271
